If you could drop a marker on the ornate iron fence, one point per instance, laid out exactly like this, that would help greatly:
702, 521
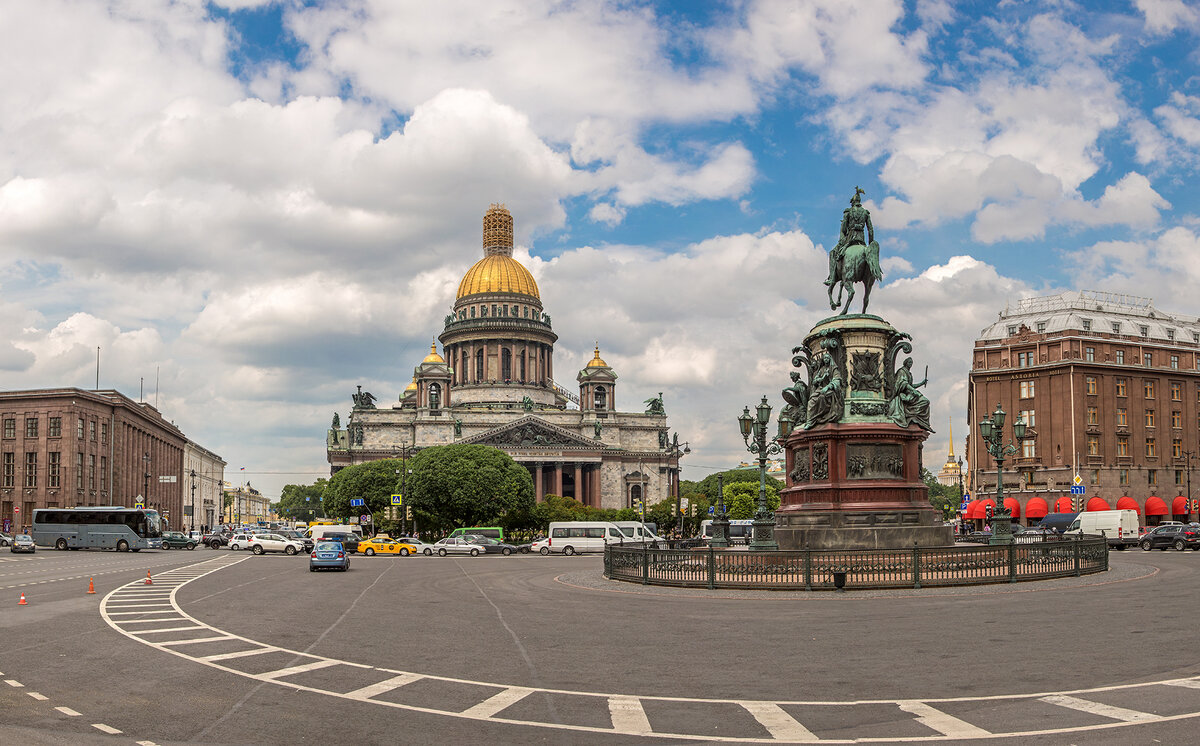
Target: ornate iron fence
815, 569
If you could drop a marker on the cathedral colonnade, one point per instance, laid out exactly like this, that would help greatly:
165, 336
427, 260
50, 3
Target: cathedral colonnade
566, 478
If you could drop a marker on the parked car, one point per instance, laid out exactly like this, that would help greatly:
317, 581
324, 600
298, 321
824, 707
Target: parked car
491, 546
385, 545
263, 543
328, 554
22, 543
419, 547
1173, 535
176, 540
456, 545
240, 541
348, 541
5, 539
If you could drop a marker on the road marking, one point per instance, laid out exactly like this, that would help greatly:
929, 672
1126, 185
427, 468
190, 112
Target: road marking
302, 668
106, 728
498, 702
193, 642
13, 682
156, 620
628, 715
1188, 683
37, 696
238, 654
1096, 708
169, 629
374, 690
129, 613
781, 726
67, 711
947, 725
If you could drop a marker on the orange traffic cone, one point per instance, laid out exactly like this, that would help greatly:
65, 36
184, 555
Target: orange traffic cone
91, 586
148, 580
22, 602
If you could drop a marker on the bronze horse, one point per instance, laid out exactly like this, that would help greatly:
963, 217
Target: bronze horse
859, 264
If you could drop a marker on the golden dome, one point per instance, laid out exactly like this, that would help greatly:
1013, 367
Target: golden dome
597, 362
432, 357
497, 273
412, 387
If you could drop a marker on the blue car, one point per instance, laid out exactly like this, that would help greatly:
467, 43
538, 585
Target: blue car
328, 554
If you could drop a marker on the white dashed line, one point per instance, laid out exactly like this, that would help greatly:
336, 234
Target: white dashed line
106, 728
778, 723
68, 711
37, 696
1096, 708
13, 682
628, 716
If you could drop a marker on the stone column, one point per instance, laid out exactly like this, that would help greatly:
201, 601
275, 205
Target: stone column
538, 484
596, 496
579, 484
558, 472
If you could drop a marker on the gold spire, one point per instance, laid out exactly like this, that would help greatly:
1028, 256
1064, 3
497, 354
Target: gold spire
412, 387
597, 361
951, 439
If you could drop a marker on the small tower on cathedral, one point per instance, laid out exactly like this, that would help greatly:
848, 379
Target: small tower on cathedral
433, 382
597, 386
952, 470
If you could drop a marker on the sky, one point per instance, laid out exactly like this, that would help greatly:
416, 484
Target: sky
255, 206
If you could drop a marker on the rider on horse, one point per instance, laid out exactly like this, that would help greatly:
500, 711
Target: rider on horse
855, 219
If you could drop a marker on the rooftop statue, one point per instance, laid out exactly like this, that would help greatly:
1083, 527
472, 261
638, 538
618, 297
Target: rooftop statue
363, 399
855, 257
654, 405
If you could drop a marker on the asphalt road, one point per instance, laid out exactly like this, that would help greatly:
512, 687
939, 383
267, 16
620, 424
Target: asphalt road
232, 648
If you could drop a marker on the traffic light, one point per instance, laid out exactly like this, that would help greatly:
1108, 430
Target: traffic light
408, 512
673, 513
1075, 504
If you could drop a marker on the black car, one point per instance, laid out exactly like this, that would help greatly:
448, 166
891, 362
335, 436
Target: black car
349, 542
491, 546
216, 539
1174, 535
296, 536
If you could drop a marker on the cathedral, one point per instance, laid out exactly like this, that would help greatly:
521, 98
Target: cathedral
493, 384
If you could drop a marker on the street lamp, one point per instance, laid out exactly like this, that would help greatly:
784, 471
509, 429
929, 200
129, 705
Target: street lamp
193, 499
720, 524
991, 431
756, 426
678, 449
146, 488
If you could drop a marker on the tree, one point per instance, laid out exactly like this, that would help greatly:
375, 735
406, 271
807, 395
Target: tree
301, 502
373, 481
944, 497
468, 485
741, 499
708, 485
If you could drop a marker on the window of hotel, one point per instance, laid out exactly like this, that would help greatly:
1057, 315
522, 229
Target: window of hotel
1121, 390
92, 431
1122, 445
10, 468
1151, 450
103, 471
31, 469
1027, 389
79, 471
1123, 476
1176, 419
1175, 362
1145, 330
1176, 391
1147, 359
52, 469
1028, 479
1148, 388
1027, 416
54, 429
1028, 448
103, 432
1177, 448
1041, 327
79, 429
1093, 416
92, 469
1087, 325
1095, 476
1116, 327
1149, 418
31, 427
1171, 334
1090, 385
10, 424
1089, 354
1152, 477
1024, 359
1120, 357
1012, 331
1122, 417
1093, 445
1179, 476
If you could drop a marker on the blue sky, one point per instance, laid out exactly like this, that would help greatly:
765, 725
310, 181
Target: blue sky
272, 202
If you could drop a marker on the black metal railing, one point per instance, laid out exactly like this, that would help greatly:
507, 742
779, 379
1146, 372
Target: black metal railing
817, 569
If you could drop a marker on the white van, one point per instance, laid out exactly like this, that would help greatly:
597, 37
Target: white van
317, 532
1119, 526
640, 532
575, 537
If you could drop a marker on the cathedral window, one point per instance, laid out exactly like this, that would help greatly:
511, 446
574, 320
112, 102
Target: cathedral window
472, 311
479, 365
506, 362
435, 396
601, 398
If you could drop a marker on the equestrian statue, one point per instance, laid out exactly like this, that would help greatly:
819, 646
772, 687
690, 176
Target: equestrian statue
855, 258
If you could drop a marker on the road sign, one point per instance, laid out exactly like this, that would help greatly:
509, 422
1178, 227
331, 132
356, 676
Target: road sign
364, 519
357, 502
397, 499
1078, 490
169, 479
711, 510
139, 504
1078, 480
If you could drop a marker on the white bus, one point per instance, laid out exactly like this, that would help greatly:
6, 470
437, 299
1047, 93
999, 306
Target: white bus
740, 530
577, 537
110, 527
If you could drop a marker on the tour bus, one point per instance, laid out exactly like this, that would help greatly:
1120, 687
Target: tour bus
108, 527
740, 530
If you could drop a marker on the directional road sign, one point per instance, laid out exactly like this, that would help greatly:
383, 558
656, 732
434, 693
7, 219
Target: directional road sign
358, 501
1078, 490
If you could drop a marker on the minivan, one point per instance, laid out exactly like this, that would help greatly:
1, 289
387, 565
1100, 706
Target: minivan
1120, 527
575, 537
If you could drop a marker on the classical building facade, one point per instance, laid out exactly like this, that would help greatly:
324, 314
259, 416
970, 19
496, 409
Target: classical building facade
70, 447
1109, 387
493, 384
203, 474
951, 473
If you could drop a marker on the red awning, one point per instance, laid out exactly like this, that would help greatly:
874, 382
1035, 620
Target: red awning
1036, 508
1013, 506
969, 510
1155, 506
980, 509
1097, 503
1128, 503
1179, 506
1063, 505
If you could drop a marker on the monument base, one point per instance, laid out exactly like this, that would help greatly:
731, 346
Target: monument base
893, 529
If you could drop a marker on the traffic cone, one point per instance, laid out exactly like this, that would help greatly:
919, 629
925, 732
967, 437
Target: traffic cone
22, 602
148, 580
91, 586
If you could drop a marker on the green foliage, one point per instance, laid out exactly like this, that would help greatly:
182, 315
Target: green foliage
944, 497
741, 498
373, 481
226, 499
469, 485
301, 502
708, 485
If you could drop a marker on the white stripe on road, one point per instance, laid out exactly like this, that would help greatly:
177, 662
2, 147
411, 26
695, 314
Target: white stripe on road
498, 702
238, 654
67, 711
169, 629
39, 697
191, 642
13, 682
779, 724
628, 715
106, 728
374, 690
269, 675
1096, 708
947, 725
1188, 683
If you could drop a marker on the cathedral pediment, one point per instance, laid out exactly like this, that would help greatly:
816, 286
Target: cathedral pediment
531, 432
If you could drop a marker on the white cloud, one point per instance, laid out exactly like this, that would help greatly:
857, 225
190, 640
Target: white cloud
1164, 16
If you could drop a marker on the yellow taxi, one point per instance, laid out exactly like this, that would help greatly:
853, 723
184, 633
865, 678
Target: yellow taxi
385, 545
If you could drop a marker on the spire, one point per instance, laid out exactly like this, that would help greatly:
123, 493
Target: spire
951, 440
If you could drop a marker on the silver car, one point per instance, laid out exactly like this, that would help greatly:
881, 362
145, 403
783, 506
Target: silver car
456, 545
22, 543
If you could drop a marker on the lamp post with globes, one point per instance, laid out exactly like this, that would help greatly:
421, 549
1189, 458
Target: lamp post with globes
755, 426
991, 431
